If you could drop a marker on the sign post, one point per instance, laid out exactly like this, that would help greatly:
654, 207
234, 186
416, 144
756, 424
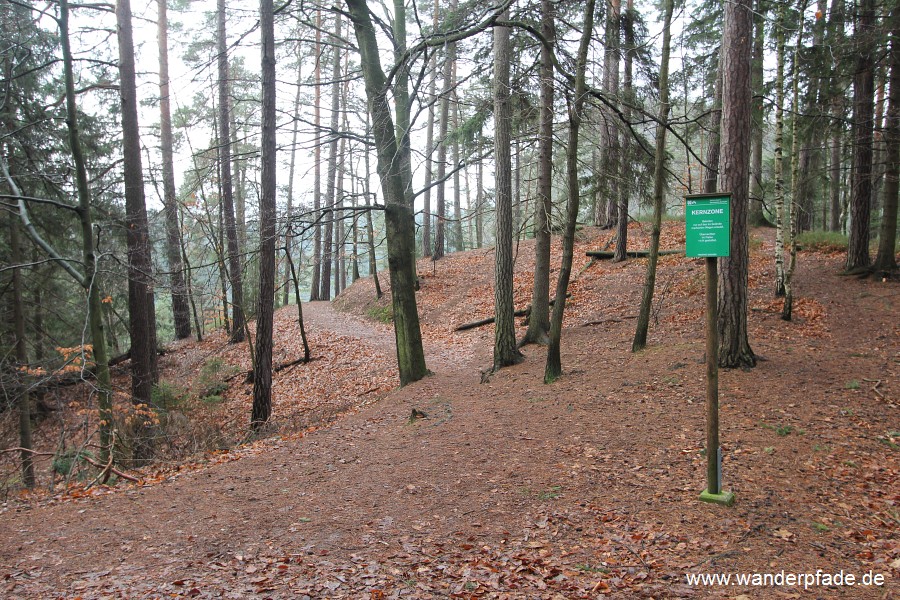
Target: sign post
707, 219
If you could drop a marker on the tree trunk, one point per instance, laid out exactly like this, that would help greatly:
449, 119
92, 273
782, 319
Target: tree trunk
23, 398
429, 144
315, 282
325, 291
796, 184
288, 239
659, 166
440, 234
142, 321
779, 152
180, 308
553, 368
95, 317
398, 214
625, 173
887, 239
262, 381
863, 116
610, 143
234, 256
756, 216
457, 206
505, 351
539, 319
734, 346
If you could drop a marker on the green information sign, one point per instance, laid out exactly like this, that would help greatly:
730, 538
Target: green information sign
707, 221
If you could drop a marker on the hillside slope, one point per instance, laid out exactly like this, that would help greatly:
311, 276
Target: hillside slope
516, 489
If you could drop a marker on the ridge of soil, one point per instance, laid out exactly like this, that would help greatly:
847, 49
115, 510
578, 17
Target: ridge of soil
585, 488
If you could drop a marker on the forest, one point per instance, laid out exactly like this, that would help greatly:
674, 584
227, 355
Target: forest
230, 228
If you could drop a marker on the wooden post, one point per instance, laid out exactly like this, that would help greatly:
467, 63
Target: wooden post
713, 492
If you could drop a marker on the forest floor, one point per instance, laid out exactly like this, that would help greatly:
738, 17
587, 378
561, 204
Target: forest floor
585, 488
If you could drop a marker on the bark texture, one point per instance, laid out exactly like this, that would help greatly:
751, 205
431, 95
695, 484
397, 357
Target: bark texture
734, 345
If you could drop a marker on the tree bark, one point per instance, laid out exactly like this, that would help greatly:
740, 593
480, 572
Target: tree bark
315, 282
288, 239
398, 214
23, 399
756, 216
779, 152
539, 319
863, 119
505, 351
329, 248
885, 260
734, 346
234, 257
180, 307
553, 368
262, 382
659, 168
440, 234
141, 312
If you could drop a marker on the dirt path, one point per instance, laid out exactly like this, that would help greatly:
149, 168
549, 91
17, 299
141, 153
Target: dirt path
586, 488
380, 336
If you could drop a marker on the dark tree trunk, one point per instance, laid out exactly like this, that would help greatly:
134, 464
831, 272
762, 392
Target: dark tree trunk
734, 346
288, 238
398, 214
643, 321
234, 256
262, 381
756, 216
539, 320
505, 351
863, 120
180, 308
887, 238
553, 368
315, 283
23, 398
325, 291
440, 234
142, 326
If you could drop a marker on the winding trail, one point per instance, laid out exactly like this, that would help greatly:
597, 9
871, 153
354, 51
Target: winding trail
380, 336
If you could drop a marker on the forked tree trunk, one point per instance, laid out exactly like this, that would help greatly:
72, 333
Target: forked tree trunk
398, 214
288, 239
